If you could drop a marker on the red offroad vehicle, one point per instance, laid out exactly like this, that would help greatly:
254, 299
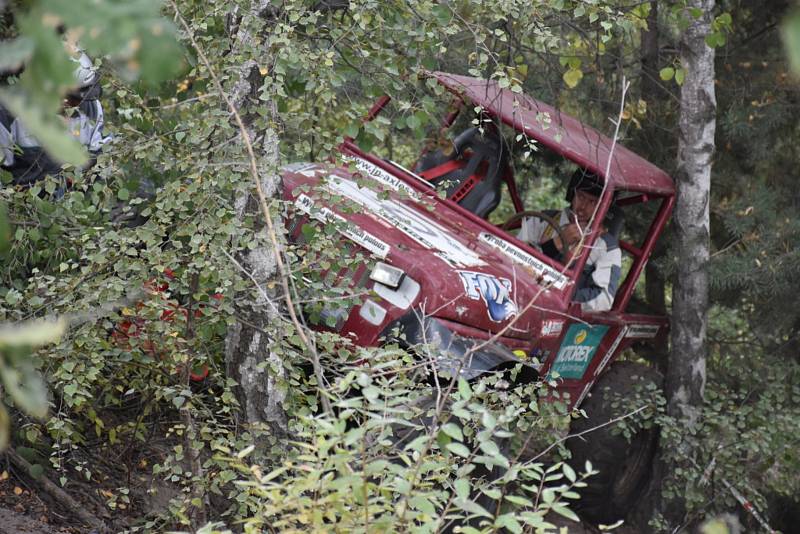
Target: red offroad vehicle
445, 275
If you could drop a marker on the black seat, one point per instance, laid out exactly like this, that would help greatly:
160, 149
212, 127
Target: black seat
472, 189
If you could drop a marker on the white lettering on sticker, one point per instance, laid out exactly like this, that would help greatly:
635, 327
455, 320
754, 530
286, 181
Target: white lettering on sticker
349, 230
550, 275
552, 328
375, 172
643, 331
421, 229
575, 353
301, 168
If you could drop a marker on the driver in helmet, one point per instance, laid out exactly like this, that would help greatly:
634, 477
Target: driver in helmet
23, 157
600, 278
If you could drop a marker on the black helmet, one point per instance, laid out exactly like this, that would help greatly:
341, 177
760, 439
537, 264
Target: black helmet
584, 180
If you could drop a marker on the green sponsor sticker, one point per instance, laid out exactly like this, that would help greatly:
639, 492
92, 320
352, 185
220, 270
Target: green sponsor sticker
577, 350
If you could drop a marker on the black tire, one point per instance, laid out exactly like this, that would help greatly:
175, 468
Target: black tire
624, 466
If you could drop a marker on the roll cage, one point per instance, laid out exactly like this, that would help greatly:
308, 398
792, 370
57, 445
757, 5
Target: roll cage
630, 180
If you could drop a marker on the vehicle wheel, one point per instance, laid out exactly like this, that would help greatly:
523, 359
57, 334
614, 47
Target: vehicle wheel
624, 466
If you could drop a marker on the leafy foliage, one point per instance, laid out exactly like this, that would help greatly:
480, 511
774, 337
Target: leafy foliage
176, 167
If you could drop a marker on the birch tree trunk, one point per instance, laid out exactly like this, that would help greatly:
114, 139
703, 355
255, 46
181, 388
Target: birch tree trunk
686, 375
249, 349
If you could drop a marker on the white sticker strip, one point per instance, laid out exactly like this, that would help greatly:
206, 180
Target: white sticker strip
550, 275
349, 230
583, 394
421, 229
552, 328
611, 351
643, 331
382, 176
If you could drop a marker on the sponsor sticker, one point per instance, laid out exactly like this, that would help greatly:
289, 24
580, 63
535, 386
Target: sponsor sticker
375, 172
550, 275
349, 230
576, 351
495, 292
642, 331
411, 222
301, 167
552, 328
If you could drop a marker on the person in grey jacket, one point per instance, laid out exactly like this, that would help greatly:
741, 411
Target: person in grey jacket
23, 156
600, 278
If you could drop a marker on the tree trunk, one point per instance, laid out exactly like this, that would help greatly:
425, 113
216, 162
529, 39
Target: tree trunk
652, 137
249, 349
686, 375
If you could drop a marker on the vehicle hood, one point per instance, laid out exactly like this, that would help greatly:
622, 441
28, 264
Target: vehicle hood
467, 275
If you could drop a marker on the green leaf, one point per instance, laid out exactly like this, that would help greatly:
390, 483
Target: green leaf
454, 431
509, 522
490, 448
464, 391
714, 526
572, 77
5, 230
680, 75
790, 32
461, 487
32, 333
520, 501
569, 472
458, 448
351, 130
36, 471
14, 53
667, 73
5, 425
46, 127
715, 40
423, 505
25, 386
472, 507
134, 33
562, 510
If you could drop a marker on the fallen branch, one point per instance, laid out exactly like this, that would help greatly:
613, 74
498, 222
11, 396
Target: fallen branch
49, 487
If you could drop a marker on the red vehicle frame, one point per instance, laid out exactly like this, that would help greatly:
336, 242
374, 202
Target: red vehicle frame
459, 265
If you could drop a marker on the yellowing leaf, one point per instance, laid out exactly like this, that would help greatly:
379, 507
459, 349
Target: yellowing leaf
572, 77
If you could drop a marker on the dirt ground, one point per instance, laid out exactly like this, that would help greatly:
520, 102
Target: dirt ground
22, 511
